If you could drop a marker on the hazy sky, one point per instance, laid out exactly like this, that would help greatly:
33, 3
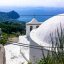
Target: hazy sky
32, 3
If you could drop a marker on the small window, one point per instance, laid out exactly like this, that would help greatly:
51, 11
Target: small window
31, 27
37, 26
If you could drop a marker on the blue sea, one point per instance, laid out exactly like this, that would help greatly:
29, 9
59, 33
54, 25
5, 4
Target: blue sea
40, 13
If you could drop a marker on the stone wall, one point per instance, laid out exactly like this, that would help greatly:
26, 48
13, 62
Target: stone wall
2, 55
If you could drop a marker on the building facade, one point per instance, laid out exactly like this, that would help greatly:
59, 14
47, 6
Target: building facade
33, 24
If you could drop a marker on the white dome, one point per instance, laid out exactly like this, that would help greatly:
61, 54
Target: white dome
41, 35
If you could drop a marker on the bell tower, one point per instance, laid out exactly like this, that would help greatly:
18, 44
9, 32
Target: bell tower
33, 24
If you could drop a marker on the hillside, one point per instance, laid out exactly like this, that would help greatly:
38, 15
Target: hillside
4, 16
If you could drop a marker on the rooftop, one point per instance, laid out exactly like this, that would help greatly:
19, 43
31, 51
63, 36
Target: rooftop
34, 21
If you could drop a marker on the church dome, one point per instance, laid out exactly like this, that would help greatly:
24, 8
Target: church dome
42, 35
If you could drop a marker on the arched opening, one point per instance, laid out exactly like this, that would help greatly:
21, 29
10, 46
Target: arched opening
31, 27
37, 26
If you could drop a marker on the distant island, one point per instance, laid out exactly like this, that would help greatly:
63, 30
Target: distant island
7, 16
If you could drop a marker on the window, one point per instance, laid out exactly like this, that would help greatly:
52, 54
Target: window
37, 26
31, 28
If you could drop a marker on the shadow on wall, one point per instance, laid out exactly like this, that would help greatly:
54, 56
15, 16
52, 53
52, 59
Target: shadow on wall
36, 51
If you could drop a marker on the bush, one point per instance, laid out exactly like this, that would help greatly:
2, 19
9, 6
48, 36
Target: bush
29, 62
3, 39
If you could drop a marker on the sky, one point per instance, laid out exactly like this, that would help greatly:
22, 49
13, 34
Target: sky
32, 3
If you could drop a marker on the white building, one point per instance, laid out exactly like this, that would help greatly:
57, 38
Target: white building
30, 45
33, 24
30, 52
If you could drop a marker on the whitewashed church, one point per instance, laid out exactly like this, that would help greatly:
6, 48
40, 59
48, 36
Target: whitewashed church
29, 46
30, 49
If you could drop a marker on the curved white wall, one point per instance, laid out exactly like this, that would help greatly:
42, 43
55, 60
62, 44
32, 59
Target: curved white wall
42, 35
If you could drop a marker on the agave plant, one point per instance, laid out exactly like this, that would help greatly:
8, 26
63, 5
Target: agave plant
57, 56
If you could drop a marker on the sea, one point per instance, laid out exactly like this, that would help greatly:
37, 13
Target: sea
28, 13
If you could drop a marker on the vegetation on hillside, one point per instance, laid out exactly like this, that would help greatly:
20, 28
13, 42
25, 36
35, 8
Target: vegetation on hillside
12, 27
10, 30
3, 38
12, 15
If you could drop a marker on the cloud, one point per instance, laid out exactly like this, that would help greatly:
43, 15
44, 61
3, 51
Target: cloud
33, 3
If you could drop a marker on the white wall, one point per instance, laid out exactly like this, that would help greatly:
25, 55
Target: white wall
24, 50
32, 53
28, 29
36, 52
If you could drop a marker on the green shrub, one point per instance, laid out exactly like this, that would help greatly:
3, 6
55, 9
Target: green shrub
29, 62
3, 39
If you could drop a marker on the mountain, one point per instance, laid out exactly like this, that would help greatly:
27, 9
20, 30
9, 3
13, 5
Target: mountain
13, 15
4, 16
